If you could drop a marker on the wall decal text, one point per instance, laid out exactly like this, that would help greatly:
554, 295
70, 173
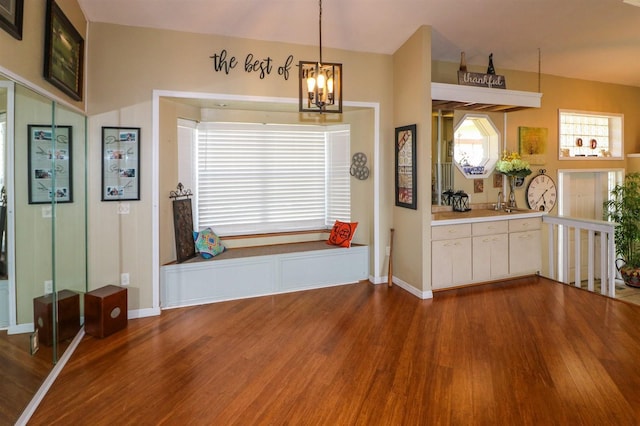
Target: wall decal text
224, 62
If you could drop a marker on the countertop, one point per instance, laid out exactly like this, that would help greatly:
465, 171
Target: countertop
481, 215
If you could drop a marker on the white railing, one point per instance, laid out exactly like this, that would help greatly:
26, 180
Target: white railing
560, 230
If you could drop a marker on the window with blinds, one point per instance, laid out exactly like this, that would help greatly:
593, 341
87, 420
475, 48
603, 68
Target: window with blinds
262, 178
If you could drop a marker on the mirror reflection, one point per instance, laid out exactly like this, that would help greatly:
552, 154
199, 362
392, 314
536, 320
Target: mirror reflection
465, 149
476, 145
43, 245
442, 154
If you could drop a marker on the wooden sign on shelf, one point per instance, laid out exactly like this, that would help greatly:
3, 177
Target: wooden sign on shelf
477, 79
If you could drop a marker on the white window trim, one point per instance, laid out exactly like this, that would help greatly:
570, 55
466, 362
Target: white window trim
378, 253
324, 214
615, 156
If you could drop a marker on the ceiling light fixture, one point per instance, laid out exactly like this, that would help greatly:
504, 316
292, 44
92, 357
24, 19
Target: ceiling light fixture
320, 83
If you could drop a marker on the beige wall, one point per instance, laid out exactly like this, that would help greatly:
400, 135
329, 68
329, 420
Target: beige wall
412, 100
25, 58
126, 64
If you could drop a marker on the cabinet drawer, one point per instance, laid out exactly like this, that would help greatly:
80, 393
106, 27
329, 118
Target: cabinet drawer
450, 231
490, 228
517, 225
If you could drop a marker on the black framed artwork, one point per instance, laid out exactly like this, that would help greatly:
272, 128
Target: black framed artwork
49, 157
63, 53
11, 17
120, 163
405, 170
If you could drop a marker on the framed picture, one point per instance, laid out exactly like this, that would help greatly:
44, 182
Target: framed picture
532, 142
120, 163
478, 186
63, 53
50, 171
498, 179
11, 17
406, 166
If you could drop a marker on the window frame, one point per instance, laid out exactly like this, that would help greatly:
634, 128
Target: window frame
615, 136
259, 228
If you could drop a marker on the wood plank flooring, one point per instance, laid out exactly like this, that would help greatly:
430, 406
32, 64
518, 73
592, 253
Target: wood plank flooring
526, 352
21, 374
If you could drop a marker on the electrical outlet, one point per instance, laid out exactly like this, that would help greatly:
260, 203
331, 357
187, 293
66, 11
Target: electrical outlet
388, 250
123, 208
48, 287
124, 278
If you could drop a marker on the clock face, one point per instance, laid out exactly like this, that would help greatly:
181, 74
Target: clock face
541, 193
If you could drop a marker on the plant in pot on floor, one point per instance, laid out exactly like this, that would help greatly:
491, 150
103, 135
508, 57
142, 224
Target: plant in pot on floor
623, 207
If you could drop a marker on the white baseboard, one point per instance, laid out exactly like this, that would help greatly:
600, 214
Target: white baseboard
21, 328
377, 280
48, 382
411, 289
143, 313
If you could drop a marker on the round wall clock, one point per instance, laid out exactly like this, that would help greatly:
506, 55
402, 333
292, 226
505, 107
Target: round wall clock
542, 193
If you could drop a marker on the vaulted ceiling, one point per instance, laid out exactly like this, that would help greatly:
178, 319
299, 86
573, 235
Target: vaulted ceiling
595, 40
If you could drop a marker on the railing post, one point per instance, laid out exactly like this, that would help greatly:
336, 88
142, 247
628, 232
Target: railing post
612, 264
560, 252
577, 258
552, 267
565, 253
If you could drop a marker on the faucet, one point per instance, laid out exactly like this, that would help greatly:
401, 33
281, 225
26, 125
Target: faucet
499, 204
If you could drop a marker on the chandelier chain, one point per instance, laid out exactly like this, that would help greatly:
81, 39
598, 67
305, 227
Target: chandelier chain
320, 29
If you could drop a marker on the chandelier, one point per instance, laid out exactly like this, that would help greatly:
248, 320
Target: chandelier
320, 83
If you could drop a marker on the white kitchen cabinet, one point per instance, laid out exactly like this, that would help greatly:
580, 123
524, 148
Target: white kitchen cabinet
525, 246
490, 250
475, 252
451, 256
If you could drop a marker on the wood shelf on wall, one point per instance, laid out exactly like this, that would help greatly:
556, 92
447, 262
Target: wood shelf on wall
471, 98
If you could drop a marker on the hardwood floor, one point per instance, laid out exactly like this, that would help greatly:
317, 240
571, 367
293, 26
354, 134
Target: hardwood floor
22, 374
523, 352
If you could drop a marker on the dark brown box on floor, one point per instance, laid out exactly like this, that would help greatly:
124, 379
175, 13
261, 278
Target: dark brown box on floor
105, 310
68, 316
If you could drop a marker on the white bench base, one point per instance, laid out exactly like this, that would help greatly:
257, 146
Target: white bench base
219, 279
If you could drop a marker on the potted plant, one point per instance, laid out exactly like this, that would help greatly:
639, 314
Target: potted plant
513, 167
623, 207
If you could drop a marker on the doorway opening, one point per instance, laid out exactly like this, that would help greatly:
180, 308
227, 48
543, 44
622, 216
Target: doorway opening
581, 194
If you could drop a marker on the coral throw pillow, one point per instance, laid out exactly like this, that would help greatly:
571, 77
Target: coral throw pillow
342, 233
208, 243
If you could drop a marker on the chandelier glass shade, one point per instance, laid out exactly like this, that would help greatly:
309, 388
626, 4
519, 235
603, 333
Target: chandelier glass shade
320, 83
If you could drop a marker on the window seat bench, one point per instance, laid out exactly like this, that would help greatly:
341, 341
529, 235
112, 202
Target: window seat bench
246, 272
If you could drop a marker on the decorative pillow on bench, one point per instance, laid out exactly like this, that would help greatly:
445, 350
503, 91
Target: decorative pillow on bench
208, 243
342, 233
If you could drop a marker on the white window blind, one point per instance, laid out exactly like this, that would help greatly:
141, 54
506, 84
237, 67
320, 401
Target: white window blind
255, 178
